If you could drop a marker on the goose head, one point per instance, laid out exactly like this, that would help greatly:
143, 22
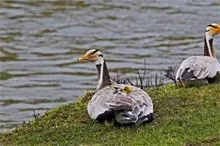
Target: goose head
96, 56
213, 29
91, 55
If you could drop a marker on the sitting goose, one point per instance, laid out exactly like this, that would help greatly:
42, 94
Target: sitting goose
122, 103
199, 70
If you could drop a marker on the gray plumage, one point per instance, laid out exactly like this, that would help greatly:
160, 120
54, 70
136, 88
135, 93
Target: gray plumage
133, 108
198, 68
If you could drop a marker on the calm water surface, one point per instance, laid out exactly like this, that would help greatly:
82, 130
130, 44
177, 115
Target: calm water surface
40, 41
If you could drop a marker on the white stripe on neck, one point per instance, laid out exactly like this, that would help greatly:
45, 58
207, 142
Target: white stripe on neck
100, 61
209, 36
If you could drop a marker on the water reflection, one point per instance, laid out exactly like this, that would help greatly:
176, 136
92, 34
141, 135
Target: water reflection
40, 41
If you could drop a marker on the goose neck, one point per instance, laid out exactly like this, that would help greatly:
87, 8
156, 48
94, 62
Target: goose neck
208, 45
103, 74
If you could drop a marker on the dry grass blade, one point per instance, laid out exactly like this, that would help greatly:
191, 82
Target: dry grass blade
141, 80
170, 73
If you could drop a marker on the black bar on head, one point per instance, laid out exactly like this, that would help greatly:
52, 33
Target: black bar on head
95, 51
100, 55
212, 26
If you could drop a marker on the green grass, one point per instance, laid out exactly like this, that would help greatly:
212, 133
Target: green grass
183, 116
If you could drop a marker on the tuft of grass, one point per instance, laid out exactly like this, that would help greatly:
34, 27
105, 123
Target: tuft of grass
170, 73
5, 75
142, 80
8, 56
182, 116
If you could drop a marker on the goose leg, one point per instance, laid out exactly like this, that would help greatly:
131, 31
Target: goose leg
182, 83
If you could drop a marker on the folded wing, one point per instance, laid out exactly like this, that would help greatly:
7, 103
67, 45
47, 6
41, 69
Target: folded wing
198, 67
136, 107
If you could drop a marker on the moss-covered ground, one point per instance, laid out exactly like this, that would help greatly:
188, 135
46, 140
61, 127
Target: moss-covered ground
183, 116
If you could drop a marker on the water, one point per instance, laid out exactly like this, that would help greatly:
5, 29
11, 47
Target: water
40, 41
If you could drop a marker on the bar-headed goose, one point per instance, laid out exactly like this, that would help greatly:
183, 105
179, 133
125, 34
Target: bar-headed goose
197, 70
125, 104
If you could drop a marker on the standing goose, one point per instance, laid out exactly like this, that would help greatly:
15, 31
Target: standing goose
122, 103
198, 70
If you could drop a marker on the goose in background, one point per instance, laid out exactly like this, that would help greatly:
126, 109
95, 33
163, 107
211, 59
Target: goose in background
200, 70
124, 104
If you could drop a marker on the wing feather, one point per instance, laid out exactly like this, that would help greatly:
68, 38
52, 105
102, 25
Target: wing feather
127, 108
201, 66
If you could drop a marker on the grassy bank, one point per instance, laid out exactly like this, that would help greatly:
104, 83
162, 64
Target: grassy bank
183, 116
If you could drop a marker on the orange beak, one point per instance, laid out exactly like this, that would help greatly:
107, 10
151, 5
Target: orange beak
84, 57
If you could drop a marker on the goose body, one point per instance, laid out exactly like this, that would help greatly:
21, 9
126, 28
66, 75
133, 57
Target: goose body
135, 107
198, 70
125, 104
